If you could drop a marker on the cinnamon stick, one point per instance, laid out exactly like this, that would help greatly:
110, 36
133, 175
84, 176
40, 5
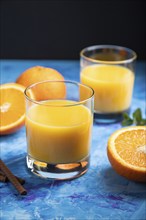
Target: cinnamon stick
5, 179
12, 178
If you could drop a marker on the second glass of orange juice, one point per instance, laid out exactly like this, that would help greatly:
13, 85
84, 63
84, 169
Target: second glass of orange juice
109, 70
58, 128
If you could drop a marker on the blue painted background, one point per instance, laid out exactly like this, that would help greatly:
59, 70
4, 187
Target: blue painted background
100, 194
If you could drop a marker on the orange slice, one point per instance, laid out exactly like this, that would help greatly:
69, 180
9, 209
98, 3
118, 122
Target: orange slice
12, 107
127, 152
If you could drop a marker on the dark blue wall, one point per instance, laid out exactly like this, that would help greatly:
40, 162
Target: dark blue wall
60, 29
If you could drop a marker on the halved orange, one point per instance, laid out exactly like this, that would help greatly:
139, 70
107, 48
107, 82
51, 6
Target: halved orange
12, 107
126, 151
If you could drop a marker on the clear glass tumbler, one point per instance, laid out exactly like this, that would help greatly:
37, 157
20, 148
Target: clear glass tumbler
109, 70
59, 118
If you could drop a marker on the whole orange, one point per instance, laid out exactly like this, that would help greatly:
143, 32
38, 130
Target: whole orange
38, 74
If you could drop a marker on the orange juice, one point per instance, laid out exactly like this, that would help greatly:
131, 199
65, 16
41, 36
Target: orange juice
112, 85
57, 133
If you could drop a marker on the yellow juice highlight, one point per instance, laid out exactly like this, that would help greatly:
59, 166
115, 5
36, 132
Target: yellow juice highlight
113, 86
57, 134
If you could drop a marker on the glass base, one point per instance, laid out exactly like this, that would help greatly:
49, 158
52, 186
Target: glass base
58, 171
108, 118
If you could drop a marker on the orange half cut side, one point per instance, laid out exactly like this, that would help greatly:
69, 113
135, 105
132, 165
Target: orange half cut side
127, 152
12, 107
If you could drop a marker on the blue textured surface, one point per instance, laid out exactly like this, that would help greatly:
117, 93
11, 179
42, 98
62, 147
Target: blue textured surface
100, 194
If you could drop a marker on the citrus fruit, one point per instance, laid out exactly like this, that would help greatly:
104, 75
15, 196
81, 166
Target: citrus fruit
126, 151
12, 107
38, 74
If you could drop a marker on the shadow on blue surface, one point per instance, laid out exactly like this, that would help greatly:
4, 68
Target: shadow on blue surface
109, 177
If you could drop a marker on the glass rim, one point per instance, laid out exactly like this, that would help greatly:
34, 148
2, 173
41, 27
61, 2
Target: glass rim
58, 81
134, 55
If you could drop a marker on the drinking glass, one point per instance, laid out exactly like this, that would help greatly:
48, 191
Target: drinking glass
109, 70
59, 118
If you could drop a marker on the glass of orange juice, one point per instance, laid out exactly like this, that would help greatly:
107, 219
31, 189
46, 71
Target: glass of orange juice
109, 70
59, 118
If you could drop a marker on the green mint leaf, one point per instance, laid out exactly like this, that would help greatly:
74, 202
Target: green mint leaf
137, 116
143, 122
127, 122
126, 116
